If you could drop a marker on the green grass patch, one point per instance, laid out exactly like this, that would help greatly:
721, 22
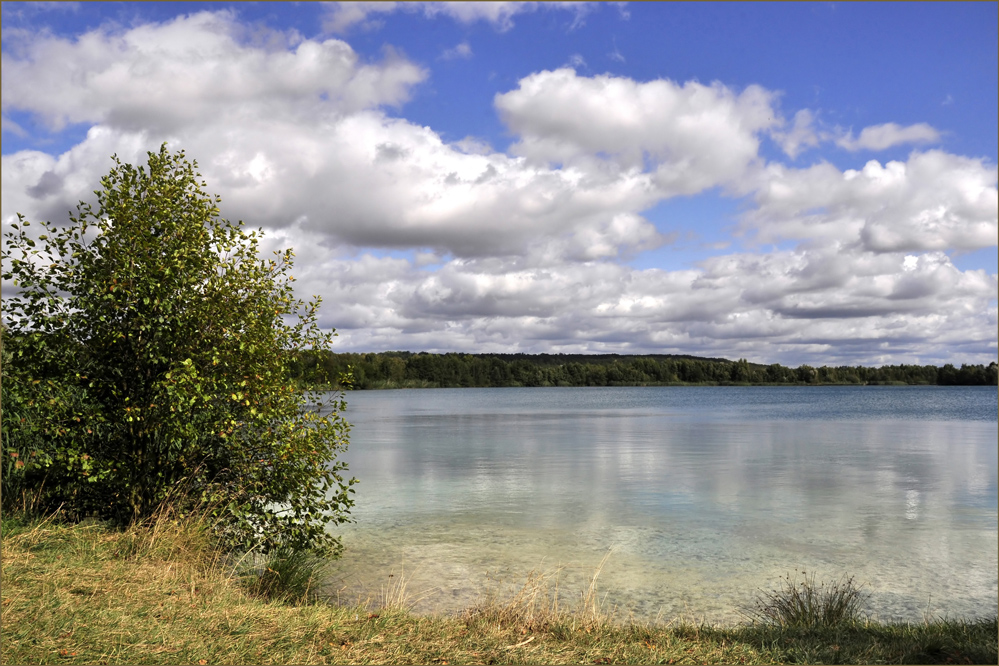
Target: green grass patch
160, 593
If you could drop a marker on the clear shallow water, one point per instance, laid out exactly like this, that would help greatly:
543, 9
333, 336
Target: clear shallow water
702, 495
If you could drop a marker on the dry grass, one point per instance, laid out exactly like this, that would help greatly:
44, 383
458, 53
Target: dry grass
538, 605
396, 595
160, 594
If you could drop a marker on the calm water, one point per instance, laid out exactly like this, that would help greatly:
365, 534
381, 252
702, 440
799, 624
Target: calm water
701, 495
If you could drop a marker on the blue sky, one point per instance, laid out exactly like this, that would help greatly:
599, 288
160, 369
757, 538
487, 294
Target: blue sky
799, 183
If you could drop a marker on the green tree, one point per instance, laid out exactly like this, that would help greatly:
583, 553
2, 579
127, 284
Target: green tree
161, 345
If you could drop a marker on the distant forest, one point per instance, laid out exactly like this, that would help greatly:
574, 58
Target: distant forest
422, 370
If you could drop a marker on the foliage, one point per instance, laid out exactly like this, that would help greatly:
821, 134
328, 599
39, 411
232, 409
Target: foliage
422, 370
148, 349
807, 605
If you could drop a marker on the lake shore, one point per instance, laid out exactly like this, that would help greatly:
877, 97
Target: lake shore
704, 495
85, 593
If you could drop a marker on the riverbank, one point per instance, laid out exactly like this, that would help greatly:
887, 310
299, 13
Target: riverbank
161, 594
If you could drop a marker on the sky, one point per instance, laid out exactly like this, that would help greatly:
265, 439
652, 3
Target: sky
788, 183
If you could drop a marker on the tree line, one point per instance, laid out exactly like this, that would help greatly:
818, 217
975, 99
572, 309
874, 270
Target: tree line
403, 369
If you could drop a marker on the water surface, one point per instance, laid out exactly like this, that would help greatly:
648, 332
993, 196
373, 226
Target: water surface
702, 495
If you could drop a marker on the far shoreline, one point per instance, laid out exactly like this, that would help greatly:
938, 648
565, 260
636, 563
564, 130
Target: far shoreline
416, 386
404, 369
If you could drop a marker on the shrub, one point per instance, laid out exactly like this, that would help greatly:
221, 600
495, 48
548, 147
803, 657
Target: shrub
148, 348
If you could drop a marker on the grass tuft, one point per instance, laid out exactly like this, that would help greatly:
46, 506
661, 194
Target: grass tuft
807, 605
287, 575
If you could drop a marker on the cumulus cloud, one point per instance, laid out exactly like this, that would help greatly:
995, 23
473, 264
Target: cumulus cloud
786, 306
932, 201
369, 181
193, 69
295, 135
525, 249
689, 137
880, 137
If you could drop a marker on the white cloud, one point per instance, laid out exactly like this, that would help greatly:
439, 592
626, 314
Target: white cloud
933, 201
294, 135
522, 250
784, 306
368, 181
192, 69
462, 50
500, 14
880, 137
802, 135
807, 132
343, 16
11, 127
690, 137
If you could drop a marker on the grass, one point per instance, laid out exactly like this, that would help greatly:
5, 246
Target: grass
807, 604
285, 575
159, 593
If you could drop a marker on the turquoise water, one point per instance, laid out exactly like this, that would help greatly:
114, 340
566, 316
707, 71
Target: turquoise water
701, 495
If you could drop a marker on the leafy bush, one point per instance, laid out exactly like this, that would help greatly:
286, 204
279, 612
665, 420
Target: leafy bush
805, 604
148, 348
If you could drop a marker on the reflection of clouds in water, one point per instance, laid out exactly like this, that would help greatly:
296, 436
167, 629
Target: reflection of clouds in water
885, 480
911, 504
978, 482
496, 480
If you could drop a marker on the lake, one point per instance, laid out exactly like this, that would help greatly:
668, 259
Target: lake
701, 495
